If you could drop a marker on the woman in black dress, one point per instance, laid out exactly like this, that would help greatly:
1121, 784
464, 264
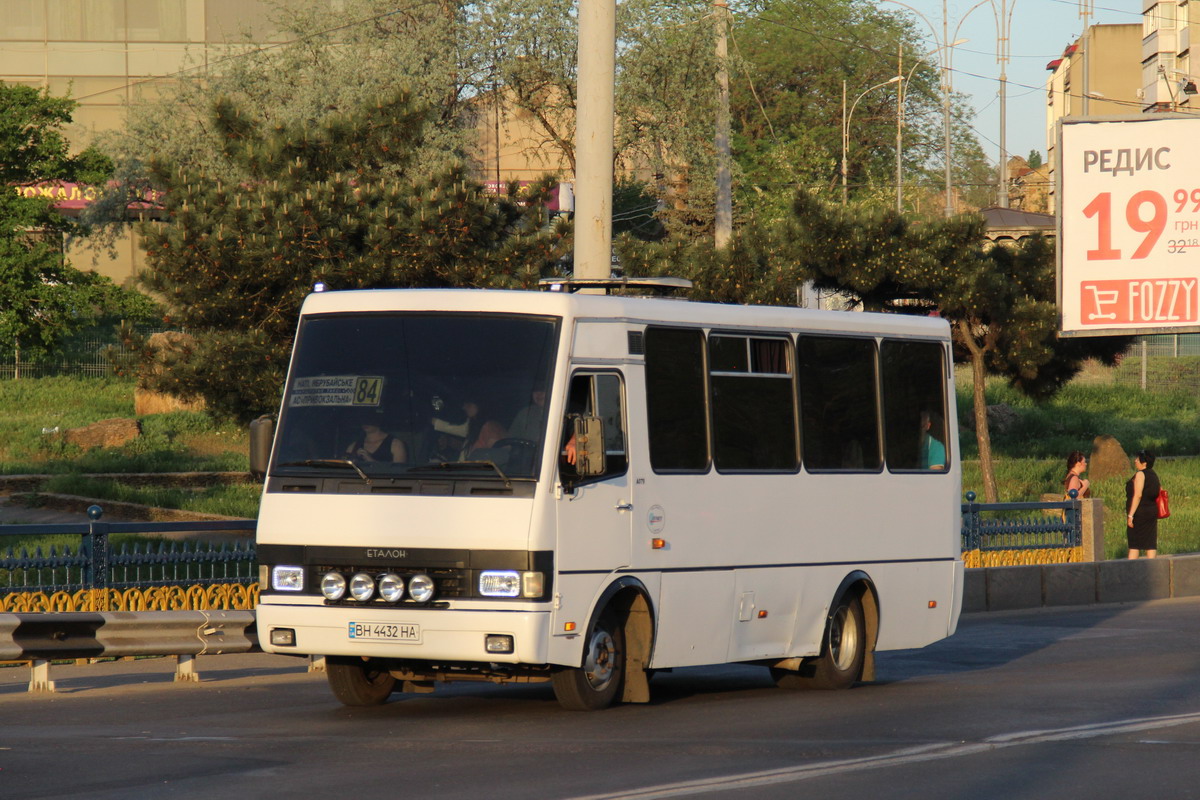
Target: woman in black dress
1141, 495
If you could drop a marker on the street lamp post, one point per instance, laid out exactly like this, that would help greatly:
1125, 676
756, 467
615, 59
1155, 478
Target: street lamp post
945, 50
846, 117
902, 93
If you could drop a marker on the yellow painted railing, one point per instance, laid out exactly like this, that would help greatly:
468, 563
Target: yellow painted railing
974, 559
226, 596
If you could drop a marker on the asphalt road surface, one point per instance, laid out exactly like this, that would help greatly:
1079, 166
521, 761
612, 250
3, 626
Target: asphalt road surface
1099, 702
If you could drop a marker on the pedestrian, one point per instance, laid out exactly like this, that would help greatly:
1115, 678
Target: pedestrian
1141, 495
1076, 466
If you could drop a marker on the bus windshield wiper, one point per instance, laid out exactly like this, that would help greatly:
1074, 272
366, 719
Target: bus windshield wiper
329, 462
469, 464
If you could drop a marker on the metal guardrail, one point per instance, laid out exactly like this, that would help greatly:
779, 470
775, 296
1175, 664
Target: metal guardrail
96, 565
1054, 525
42, 638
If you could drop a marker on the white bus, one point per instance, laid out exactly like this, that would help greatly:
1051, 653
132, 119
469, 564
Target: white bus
583, 489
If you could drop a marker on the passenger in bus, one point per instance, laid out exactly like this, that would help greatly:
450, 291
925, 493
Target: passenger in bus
528, 422
376, 445
477, 431
933, 445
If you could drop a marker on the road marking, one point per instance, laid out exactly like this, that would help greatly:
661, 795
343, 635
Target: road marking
910, 755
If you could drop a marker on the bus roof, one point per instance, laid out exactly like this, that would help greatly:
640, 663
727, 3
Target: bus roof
629, 309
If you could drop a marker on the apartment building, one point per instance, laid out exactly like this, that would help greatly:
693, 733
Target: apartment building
1096, 76
1167, 80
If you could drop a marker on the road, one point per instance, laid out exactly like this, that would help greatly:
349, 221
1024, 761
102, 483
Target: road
1097, 702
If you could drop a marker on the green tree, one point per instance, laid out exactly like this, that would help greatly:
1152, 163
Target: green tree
1035, 159
340, 201
42, 298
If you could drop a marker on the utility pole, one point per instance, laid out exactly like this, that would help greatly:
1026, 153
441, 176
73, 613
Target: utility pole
946, 107
1003, 26
724, 211
594, 138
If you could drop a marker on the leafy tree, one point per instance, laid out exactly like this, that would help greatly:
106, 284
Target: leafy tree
1035, 159
340, 200
42, 298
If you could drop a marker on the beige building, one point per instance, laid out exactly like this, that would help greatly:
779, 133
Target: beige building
102, 53
1097, 76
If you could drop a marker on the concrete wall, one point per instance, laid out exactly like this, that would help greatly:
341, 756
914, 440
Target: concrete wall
1011, 588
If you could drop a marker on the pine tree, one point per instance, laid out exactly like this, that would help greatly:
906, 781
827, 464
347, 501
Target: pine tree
337, 201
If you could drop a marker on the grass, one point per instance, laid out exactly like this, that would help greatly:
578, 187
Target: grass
238, 500
176, 442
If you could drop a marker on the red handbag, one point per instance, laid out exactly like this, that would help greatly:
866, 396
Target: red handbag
1164, 508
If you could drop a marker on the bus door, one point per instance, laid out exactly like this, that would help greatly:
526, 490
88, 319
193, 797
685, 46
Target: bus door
595, 513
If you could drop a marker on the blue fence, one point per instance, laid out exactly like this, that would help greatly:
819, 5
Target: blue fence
1021, 526
94, 564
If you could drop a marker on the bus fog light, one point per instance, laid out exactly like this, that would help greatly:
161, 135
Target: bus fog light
362, 587
531, 584
333, 585
498, 643
391, 587
420, 588
287, 579
283, 637
500, 583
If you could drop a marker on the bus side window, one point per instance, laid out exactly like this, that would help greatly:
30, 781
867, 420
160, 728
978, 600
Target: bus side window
914, 405
600, 395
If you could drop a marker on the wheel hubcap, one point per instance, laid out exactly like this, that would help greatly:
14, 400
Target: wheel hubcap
843, 639
601, 660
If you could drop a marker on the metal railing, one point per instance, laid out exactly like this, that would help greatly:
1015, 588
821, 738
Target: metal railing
94, 564
1012, 526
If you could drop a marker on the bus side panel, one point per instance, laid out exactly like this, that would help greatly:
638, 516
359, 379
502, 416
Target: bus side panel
764, 612
905, 594
693, 620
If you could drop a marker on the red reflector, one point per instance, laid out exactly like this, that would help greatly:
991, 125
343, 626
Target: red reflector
658, 544
762, 614
933, 603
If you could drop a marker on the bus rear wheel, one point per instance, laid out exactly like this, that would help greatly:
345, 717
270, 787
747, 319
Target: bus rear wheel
596, 684
843, 652
356, 682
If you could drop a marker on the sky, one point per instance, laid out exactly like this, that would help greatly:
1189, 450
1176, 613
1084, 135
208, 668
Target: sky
1039, 32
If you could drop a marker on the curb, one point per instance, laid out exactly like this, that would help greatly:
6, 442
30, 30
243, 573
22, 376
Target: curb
1124, 581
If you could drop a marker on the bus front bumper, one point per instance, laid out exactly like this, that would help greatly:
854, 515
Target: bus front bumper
405, 632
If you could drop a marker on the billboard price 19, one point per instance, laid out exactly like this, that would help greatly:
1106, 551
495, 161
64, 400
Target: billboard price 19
1129, 226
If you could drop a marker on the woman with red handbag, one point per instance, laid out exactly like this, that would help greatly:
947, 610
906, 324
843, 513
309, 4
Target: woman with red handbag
1141, 494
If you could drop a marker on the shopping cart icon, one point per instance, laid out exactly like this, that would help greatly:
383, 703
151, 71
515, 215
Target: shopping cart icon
1100, 299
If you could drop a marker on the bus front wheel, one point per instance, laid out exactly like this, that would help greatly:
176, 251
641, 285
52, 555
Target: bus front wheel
843, 652
598, 682
356, 682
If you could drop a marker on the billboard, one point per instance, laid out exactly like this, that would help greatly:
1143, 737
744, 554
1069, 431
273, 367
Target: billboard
1129, 225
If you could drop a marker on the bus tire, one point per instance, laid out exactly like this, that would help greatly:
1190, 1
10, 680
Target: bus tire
597, 684
843, 652
356, 682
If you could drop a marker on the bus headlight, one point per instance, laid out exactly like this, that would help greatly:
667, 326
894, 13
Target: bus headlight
420, 588
287, 579
500, 583
362, 587
391, 587
333, 585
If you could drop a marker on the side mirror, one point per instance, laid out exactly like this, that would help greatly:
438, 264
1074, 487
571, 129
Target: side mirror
262, 432
589, 446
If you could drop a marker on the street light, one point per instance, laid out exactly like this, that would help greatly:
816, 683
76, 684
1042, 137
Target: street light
945, 50
902, 95
846, 124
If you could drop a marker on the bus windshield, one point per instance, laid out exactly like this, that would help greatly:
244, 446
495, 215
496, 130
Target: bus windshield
398, 394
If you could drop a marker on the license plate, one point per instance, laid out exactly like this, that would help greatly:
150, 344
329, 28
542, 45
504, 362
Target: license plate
385, 632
